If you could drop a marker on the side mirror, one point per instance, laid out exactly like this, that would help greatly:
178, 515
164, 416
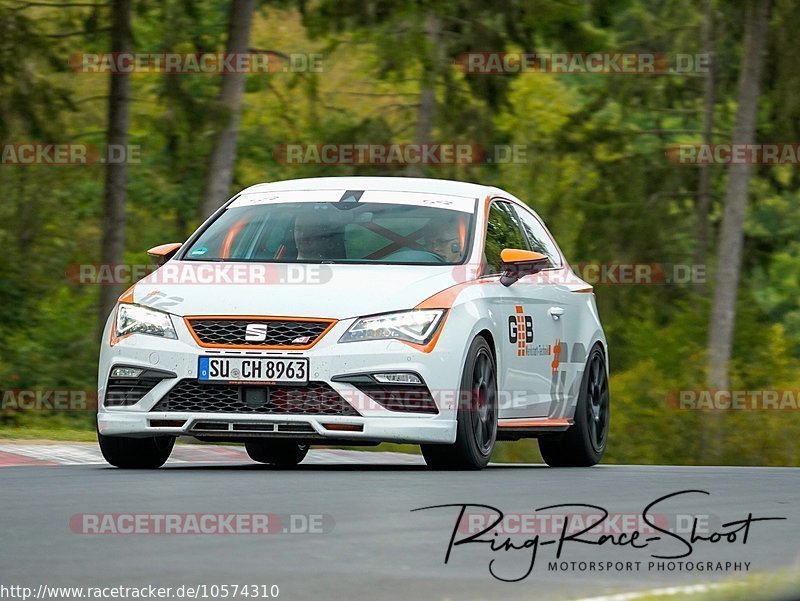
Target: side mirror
164, 252
519, 263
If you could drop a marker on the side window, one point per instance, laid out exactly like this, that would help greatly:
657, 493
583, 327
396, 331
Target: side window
502, 231
538, 238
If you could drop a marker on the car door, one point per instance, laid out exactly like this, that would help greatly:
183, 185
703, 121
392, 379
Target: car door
551, 287
527, 320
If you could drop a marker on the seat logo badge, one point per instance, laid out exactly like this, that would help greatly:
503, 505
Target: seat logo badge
255, 332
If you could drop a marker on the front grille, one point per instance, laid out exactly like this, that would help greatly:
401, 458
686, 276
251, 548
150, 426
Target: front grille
317, 398
300, 334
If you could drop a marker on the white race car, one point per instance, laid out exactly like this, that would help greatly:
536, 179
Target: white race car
354, 311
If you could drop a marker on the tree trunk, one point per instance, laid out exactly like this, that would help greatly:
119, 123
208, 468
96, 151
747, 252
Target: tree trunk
219, 176
113, 245
427, 95
731, 237
704, 184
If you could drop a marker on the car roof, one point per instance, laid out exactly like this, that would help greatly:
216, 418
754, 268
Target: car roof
393, 184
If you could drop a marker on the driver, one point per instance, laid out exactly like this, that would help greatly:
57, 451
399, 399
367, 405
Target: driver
317, 240
443, 238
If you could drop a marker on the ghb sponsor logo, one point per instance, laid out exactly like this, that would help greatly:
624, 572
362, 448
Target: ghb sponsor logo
520, 330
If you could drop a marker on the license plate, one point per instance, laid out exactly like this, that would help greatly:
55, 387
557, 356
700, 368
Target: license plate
267, 370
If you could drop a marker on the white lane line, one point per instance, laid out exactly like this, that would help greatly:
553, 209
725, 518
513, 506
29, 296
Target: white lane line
89, 453
695, 467
670, 591
13, 460
63, 454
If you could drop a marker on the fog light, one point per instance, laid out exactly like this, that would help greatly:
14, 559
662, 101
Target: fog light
125, 372
397, 378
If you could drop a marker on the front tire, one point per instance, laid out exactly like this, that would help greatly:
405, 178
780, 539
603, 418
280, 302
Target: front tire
279, 453
476, 429
584, 443
136, 453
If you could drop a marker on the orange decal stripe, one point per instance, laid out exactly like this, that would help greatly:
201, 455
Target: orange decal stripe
443, 299
534, 423
127, 296
427, 348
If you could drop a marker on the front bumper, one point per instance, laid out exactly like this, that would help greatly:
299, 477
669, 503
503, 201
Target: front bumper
440, 370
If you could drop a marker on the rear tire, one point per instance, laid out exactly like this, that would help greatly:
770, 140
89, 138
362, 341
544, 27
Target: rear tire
476, 429
279, 453
584, 443
136, 453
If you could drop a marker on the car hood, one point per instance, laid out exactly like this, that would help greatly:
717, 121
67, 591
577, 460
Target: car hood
298, 290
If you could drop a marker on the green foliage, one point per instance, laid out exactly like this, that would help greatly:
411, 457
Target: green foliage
595, 169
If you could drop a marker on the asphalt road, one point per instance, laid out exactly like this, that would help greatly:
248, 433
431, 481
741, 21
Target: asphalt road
372, 546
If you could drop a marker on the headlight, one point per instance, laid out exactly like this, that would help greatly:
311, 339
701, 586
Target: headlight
411, 326
136, 319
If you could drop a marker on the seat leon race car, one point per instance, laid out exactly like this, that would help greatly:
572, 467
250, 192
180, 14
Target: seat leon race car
355, 311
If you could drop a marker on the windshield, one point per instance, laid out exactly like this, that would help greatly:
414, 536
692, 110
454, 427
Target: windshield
336, 232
